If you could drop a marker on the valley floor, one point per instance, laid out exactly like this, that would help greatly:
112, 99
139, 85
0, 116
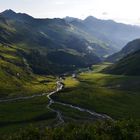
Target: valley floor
114, 95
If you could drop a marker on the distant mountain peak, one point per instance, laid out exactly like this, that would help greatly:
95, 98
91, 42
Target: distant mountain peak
92, 18
8, 12
71, 19
13, 15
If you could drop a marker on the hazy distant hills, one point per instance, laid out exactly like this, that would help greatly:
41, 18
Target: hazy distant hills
56, 33
116, 35
60, 45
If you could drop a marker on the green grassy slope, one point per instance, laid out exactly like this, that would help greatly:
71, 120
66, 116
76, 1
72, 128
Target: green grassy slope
16, 77
17, 80
117, 96
128, 65
48, 39
21, 114
130, 48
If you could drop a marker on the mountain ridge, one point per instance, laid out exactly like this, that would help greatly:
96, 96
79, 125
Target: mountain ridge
128, 65
79, 39
126, 61
129, 48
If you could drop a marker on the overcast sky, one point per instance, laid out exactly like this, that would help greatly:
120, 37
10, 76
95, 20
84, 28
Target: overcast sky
127, 11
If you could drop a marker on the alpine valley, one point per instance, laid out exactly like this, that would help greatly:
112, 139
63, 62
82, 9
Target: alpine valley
68, 79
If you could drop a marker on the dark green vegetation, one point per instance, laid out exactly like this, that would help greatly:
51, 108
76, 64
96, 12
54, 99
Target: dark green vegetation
22, 113
73, 115
18, 80
131, 47
117, 96
126, 61
47, 40
129, 65
16, 76
59, 45
119, 130
31, 48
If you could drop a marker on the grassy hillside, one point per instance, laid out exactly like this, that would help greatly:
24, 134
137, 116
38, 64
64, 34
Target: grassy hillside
47, 40
131, 47
55, 43
17, 78
59, 61
128, 65
117, 96
32, 48
23, 113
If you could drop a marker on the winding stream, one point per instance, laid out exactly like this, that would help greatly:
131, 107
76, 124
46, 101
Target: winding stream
59, 116
59, 87
51, 101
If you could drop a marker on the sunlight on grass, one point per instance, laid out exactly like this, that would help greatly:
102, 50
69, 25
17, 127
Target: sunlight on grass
100, 67
70, 82
115, 95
